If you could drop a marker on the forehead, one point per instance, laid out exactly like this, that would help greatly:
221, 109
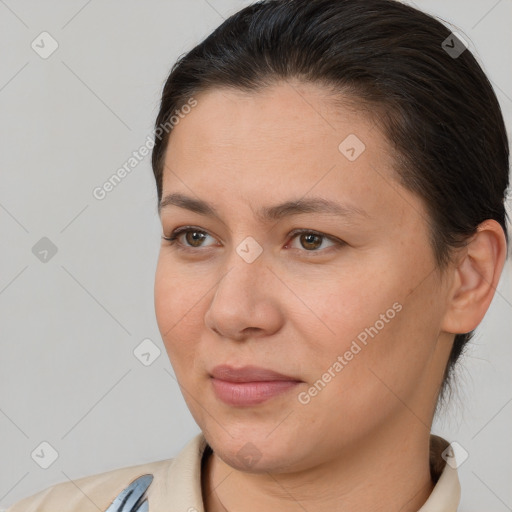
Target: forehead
286, 126
288, 140
284, 116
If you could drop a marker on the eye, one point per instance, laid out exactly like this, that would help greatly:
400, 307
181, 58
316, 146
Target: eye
193, 238
313, 240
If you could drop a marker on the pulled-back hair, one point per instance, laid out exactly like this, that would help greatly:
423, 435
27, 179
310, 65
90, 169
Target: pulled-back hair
435, 106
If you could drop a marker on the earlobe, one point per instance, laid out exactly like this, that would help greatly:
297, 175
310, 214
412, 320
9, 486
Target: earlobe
476, 277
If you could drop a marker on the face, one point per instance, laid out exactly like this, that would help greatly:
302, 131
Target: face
349, 310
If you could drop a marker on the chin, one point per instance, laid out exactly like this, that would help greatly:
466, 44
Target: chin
253, 450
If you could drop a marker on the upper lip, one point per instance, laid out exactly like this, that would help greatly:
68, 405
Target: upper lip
247, 374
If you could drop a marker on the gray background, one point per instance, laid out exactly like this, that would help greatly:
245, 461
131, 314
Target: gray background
69, 326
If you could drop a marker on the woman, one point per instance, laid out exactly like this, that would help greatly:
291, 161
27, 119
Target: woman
331, 178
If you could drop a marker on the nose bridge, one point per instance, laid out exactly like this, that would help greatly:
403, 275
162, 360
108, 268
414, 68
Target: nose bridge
246, 267
243, 296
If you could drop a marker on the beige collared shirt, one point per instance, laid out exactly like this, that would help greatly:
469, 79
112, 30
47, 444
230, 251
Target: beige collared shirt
176, 486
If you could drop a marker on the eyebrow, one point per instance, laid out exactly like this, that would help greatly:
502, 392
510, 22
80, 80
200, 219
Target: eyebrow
269, 213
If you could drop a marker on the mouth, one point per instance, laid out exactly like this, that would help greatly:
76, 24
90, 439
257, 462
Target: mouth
249, 385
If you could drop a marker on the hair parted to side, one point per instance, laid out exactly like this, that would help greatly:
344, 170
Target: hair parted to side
439, 113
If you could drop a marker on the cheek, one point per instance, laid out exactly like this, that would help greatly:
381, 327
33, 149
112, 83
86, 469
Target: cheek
368, 313
351, 299
386, 339
175, 299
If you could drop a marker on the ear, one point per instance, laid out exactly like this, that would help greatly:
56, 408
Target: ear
475, 279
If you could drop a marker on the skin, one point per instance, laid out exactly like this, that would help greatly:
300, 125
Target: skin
362, 442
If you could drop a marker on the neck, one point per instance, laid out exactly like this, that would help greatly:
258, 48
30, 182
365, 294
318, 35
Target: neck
380, 474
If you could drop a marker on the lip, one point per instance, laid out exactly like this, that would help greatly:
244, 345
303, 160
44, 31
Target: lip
248, 374
249, 385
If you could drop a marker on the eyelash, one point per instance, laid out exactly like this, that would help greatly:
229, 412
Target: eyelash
173, 239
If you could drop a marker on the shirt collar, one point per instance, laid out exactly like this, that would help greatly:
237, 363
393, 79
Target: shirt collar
445, 496
182, 479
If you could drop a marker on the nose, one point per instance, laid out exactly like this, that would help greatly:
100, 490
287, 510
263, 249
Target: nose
246, 301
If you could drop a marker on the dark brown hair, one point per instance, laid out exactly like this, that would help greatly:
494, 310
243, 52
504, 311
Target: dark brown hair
436, 107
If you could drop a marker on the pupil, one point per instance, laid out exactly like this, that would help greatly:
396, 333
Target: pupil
310, 238
195, 236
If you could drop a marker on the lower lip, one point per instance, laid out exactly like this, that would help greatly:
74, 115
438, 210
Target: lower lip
250, 393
